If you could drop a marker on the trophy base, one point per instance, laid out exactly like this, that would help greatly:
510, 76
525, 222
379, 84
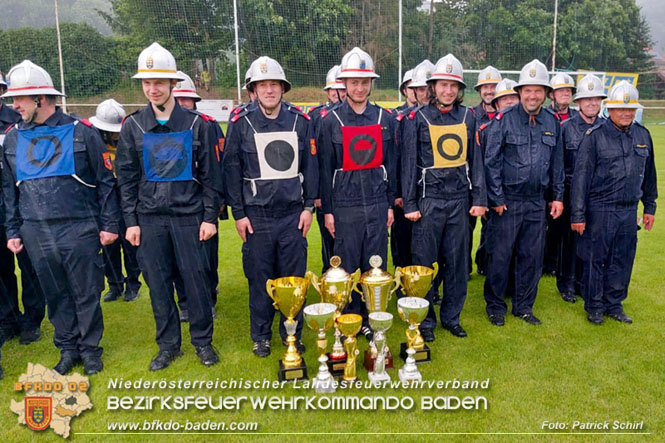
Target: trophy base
336, 365
369, 360
408, 377
421, 356
324, 386
292, 374
378, 379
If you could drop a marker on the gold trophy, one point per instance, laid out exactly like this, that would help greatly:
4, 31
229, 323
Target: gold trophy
412, 310
335, 286
376, 293
320, 317
288, 295
380, 323
416, 281
349, 325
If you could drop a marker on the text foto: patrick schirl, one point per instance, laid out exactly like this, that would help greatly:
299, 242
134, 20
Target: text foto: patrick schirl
604, 425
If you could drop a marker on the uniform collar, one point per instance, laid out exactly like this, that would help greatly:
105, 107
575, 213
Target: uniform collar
51, 122
613, 131
174, 122
525, 116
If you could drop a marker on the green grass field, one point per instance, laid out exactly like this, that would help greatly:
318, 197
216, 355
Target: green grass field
564, 370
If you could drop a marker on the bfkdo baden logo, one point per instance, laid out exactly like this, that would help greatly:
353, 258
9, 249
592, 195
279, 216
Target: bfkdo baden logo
51, 400
38, 412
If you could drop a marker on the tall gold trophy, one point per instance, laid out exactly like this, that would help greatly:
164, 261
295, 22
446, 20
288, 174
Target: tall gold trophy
412, 310
416, 281
378, 287
288, 295
349, 325
335, 286
320, 317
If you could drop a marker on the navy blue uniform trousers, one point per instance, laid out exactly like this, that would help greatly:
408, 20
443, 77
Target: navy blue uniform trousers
69, 264
607, 249
442, 234
360, 233
519, 231
170, 244
275, 249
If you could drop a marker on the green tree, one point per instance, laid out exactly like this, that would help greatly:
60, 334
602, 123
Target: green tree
84, 50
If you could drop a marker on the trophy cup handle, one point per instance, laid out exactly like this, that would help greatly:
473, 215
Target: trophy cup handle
269, 289
397, 279
435, 265
355, 278
314, 280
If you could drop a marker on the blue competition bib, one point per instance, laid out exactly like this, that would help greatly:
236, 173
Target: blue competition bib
167, 157
45, 152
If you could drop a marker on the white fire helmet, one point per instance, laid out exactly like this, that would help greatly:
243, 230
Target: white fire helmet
505, 87
357, 64
408, 76
534, 73
448, 68
266, 68
27, 78
186, 88
331, 79
109, 116
623, 95
157, 62
562, 80
488, 76
590, 86
421, 74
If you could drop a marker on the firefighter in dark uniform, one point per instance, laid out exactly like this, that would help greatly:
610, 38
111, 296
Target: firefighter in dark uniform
615, 170
336, 93
409, 95
440, 163
358, 177
186, 96
12, 321
170, 187
505, 96
523, 159
61, 203
488, 78
590, 94
108, 118
271, 178
563, 89
402, 229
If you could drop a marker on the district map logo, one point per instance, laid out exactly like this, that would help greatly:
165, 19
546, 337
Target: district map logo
51, 400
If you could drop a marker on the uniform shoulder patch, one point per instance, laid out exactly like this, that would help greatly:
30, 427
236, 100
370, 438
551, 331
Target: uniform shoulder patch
412, 115
86, 122
483, 126
297, 110
9, 128
389, 111
400, 116
207, 118
472, 109
499, 116
323, 113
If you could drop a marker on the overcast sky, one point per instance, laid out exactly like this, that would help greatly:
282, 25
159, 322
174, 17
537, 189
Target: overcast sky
654, 11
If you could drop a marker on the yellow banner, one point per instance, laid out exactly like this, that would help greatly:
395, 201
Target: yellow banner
449, 144
612, 78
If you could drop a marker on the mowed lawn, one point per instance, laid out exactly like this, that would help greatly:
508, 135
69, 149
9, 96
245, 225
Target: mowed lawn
562, 371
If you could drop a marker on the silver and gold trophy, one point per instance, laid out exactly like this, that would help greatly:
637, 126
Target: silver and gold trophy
412, 310
416, 281
320, 317
378, 287
336, 286
288, 295
380, 323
